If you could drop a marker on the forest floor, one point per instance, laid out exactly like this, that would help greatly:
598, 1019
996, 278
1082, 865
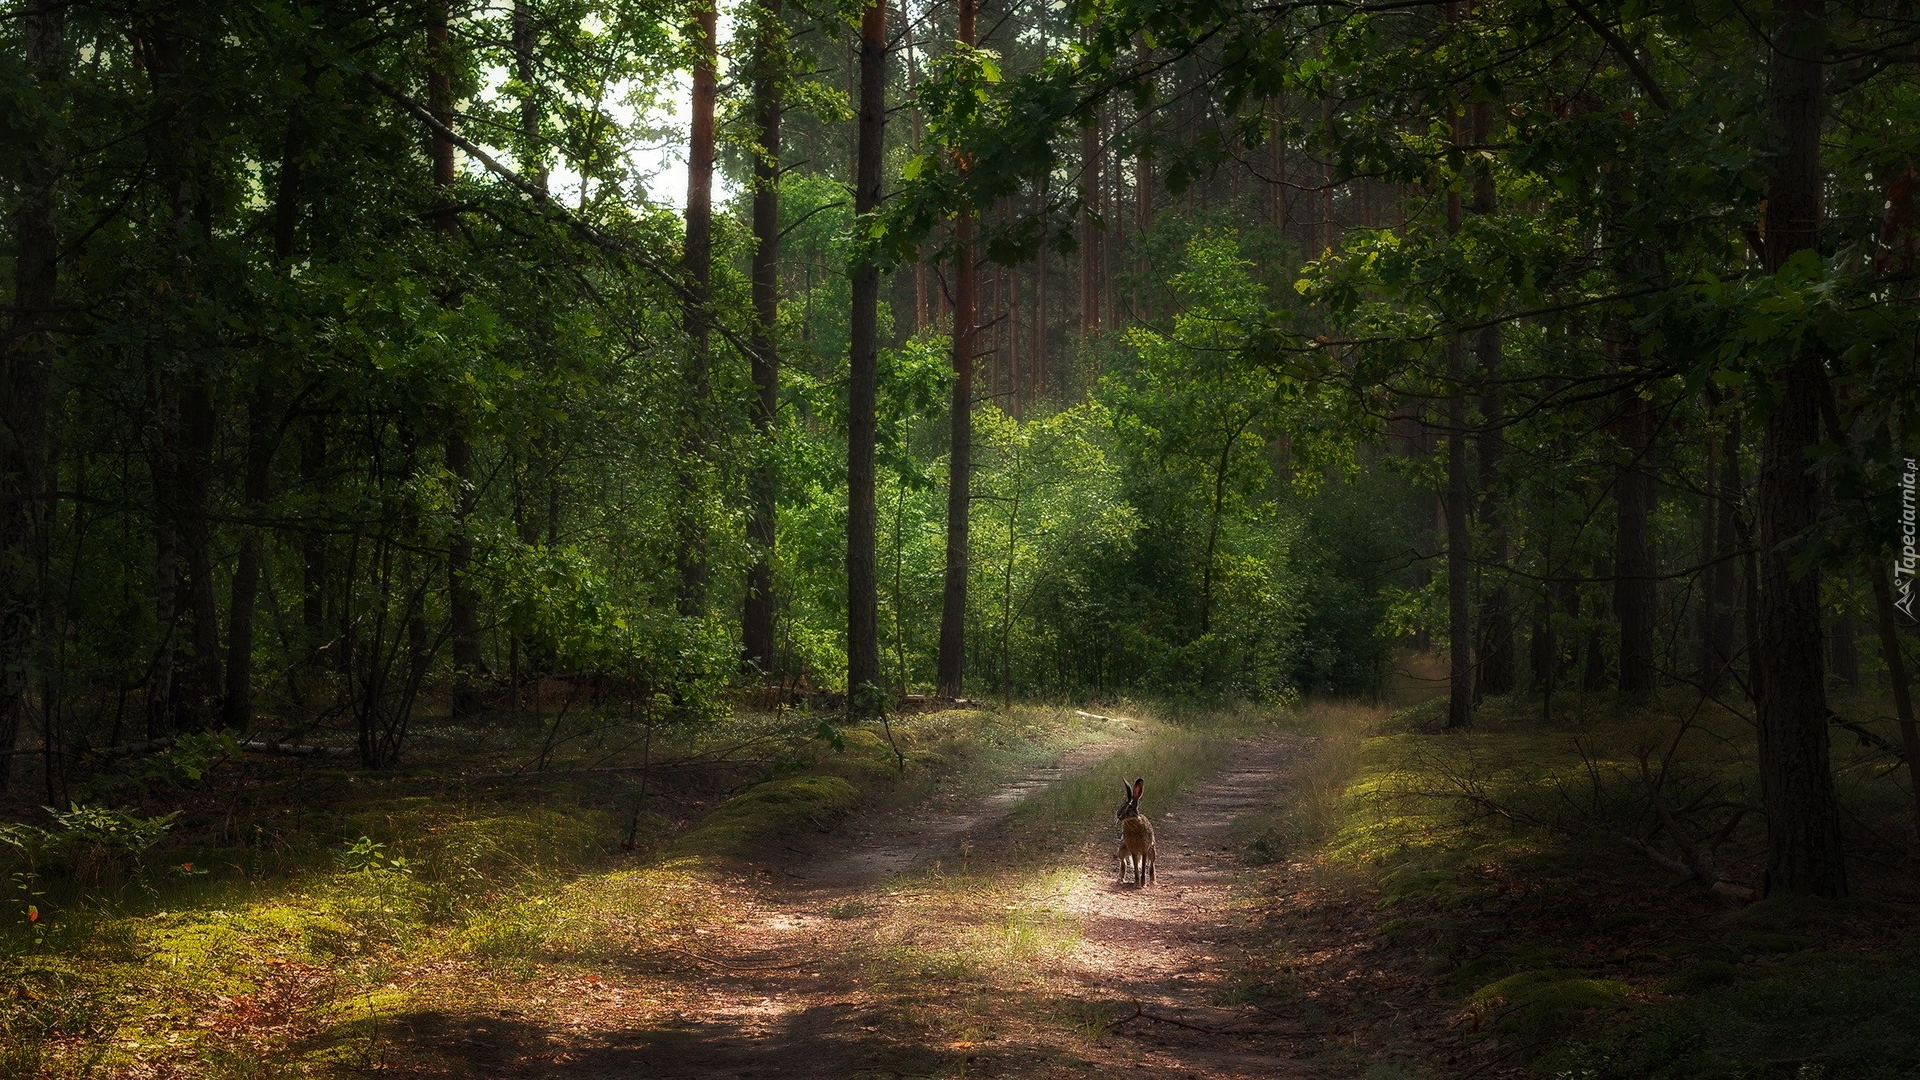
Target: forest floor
948, 940
1344, 891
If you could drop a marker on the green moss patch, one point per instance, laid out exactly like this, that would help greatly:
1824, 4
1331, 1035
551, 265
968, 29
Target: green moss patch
767, 813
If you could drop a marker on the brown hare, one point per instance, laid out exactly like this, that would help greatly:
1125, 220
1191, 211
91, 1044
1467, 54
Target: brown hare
1136, 835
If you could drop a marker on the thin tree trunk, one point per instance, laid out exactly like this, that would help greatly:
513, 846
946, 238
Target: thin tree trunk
864, 687
1804, 850
1726, 586
26, 372
756, 629
1037, 366
951, 665
262, 441
462, 613
1459, 498
1708, 662
313, 547
1633, 591
697, 265
1593, 675
920, 298
1089, 231
1495, 676
164, 468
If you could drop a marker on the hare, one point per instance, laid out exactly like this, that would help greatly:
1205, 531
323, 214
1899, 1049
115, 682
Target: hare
1136, 835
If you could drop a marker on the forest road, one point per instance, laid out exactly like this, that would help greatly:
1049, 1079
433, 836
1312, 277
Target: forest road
863, 958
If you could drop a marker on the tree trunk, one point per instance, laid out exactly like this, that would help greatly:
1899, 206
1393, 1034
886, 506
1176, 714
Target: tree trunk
1037, 366
757, 617
1804, 851
1726, 582
26, 370
1633, 591
1459, 497
464, 629
864, 687
1496, 665
697, 264
313, 545
237, 704
1708, 662
262, 441
1089, 230
951, 666
462, 612
164, 468
1593, 674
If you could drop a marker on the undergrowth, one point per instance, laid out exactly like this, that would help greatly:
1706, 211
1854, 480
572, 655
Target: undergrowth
287, 939
1529, 865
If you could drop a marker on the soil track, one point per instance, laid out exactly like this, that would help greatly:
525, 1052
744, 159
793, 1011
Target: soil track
796, 982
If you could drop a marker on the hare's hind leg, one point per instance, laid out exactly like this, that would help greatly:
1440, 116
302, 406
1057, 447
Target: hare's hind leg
1151, 855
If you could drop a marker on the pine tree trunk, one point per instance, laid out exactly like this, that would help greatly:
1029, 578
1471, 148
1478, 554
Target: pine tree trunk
463, 616
757, 619
1593, 674
1633, 587
863, 605
951, 664
26, 370
1089, 232
1804, 851
697, 266
313, 546
262, 441
237, 704
1726, 585
1496, 674
1458, 500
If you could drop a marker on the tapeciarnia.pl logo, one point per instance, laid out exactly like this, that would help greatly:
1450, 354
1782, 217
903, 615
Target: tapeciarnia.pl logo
1904, 566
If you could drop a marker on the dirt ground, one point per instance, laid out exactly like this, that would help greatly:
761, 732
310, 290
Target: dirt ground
938, 942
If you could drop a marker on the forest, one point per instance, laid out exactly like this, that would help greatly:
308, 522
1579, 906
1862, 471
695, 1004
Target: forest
552, 538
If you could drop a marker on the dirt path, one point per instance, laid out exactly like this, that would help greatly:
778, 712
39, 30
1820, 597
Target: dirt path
860, 959
1162, 947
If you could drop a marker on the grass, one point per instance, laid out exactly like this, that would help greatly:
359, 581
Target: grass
323, 903
1496, 857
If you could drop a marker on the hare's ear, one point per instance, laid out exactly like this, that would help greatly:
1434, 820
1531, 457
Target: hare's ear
1126, 790
1138, 783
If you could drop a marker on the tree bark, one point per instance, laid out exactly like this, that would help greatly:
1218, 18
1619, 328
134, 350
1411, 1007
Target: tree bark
1593, 673
26, 372
951, 665
1804, 850
313, 545
462, 611
262, 441
1726, 582
757, 616
697, 265
1633, 591
1496, 666
864, 687
1459, 498
1089, 229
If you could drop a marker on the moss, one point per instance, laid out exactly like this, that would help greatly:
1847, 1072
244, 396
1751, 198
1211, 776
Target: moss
1622, 920
1510, 961
1550, 1002
1761, 942
1704, 975
767, 813
1824, 1014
